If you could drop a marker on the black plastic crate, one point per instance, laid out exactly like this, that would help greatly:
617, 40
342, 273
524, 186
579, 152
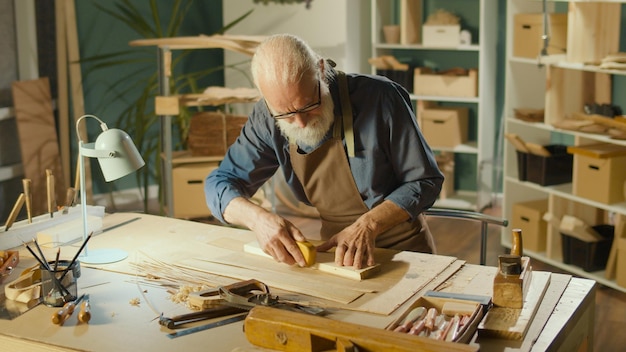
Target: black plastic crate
550, 170
402, 77
590, 256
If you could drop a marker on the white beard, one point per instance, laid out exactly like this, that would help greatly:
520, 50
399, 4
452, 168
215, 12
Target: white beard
314, 132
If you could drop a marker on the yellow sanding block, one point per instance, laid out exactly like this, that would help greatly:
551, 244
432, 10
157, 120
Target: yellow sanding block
308, 251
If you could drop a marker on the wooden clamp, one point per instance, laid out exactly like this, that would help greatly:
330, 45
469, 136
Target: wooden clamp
8, 262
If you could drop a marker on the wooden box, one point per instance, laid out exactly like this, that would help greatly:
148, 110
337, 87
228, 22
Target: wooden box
599, 172
212, 132
528, 32
425, 82
188, 175
441, 35
444, 126
465, 334
528, 216
445, 162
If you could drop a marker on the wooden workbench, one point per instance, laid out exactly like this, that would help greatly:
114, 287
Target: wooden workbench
564, 320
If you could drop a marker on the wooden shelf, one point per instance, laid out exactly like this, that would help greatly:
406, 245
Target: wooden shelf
561, 86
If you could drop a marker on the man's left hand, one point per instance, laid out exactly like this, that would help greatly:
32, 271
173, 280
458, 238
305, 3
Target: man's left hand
355, 246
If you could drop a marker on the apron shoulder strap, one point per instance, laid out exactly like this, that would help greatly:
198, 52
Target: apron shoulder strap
346, 112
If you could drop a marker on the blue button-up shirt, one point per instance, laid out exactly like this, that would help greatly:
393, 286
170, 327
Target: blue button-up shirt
392, 160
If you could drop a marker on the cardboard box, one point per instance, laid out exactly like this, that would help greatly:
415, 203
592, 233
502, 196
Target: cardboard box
599, 172
528, 32
590, 256
188, 176
621, 262
444, 126
441, 35
467, 332
528, 216
550, 170
425, 82
445, 162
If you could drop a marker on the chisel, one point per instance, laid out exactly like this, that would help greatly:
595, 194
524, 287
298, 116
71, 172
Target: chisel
28, 198
69, 199
16, 209
85, 311
52, 203
62, 314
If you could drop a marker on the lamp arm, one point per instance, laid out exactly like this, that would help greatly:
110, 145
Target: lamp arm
103, 125
88, 150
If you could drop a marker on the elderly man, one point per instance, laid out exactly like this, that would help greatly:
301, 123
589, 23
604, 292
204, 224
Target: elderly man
347, 144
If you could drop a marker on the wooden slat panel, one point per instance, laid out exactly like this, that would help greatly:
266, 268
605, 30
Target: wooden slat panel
38, 139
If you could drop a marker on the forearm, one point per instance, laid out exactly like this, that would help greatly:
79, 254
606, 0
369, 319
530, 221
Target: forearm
383, 217
242, 212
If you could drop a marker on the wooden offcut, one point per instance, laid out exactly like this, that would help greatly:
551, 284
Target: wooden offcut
38, 139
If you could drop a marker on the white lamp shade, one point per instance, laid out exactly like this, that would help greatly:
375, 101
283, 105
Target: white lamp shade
126, 159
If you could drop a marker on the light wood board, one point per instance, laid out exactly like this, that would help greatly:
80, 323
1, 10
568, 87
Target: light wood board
510, 323
325, 262
219, 251
38, 139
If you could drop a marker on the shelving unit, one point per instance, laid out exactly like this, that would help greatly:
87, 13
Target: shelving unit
168, 105
561, 84
479, 17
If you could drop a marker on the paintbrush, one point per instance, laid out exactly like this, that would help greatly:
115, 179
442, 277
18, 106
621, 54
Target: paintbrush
82, 246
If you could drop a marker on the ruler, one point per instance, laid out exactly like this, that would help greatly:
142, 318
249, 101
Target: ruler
207, 326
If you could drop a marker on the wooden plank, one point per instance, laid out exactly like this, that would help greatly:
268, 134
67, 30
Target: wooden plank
592, 31
381, 294
571, 323
512, 324
411, 21
38, 139
62, 86
325, 263
78, 100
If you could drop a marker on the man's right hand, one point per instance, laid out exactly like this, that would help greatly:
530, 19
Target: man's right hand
276, 236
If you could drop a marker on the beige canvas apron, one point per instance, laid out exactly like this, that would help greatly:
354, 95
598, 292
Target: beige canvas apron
328, 183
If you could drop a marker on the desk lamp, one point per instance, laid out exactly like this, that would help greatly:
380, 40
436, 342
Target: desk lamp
118, 157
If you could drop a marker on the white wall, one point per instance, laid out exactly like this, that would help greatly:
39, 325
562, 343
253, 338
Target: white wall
337, 29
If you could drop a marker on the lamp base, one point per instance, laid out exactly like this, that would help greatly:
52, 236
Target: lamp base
103, 256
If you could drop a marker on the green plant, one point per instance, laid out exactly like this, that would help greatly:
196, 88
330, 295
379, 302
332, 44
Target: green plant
138, 117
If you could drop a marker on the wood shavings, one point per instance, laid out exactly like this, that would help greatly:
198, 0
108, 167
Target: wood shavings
442, 17
134, 302
182, 295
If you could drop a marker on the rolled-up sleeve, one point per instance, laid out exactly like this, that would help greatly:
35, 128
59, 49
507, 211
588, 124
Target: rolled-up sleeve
247, 165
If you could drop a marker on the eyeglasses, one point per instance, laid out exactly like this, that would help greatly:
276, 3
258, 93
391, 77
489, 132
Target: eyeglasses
303, 110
